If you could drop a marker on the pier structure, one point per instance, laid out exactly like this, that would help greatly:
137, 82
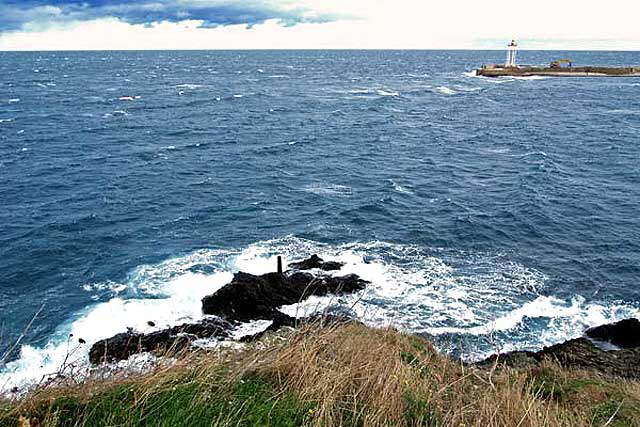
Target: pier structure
558, 68
512, 50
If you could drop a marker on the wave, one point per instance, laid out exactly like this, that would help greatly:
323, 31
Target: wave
386, 93
436, 291
399, 188
326, 189
167, 294
117, 113
528, 78
445, 90
189, 86
379, 92
624, 111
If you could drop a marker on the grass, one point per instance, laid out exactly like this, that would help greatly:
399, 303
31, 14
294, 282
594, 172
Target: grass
343, 376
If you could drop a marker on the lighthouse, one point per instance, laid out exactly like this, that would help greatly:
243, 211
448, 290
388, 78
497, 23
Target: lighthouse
511, 54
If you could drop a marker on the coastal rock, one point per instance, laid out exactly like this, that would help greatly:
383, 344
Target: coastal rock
321, 320
582, 353
624, 334
316, 262
175, 339
249, 297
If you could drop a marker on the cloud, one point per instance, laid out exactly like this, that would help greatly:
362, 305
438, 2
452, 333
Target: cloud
40, 14
293, 24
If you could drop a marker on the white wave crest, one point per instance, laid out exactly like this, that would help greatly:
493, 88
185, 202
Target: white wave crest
189, 86
359, 91
326, 189
387, 93
445, 90
166, 294
399, 188
417, 289
528, 78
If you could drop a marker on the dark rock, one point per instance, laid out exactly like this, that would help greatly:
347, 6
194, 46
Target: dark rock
578, 353
316, 262
624, 334
582, 353
250, 297
321, 320
175, 339
513, 359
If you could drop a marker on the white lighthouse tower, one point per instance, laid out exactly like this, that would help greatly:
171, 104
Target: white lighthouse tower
511, 55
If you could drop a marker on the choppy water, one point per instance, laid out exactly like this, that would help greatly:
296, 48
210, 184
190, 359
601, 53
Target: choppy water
487, 213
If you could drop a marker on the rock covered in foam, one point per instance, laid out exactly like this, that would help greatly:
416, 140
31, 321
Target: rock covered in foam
249, 297
316, 262
624, 334
177, 338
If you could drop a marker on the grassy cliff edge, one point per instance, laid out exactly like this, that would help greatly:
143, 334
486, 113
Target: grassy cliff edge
344, 375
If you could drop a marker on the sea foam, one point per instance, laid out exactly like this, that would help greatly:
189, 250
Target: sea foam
435, 291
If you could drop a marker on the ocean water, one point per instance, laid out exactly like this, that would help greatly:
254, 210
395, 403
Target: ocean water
489, 214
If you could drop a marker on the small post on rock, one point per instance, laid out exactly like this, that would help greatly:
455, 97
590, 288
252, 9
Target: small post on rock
279, 264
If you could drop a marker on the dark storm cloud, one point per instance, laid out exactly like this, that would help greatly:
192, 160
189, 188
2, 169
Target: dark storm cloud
15, 14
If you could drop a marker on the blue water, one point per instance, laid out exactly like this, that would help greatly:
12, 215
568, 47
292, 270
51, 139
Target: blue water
133, 181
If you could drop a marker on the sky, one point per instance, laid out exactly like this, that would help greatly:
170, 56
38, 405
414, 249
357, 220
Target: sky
318, 24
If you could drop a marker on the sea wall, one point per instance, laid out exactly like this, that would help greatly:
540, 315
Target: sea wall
559, 72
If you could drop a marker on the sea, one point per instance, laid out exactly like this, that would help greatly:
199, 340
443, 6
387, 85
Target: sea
488, 214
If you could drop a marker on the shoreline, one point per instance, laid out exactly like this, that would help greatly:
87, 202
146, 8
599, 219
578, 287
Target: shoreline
249, 298
331, 370
335, 374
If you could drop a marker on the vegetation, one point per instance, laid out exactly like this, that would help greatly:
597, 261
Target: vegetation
346, 375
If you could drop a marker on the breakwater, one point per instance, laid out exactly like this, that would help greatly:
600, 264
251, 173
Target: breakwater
489, 71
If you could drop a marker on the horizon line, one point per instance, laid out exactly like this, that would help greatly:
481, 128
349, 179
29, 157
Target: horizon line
313, 49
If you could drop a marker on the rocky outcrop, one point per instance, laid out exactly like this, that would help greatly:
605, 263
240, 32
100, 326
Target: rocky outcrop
623, 334
177, 338
582, 353
316, 262
249, 297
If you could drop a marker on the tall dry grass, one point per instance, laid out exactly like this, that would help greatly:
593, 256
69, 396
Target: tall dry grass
345, 375
355, 375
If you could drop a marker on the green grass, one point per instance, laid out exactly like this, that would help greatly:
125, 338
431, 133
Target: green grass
420, 413
347, 376
250, 402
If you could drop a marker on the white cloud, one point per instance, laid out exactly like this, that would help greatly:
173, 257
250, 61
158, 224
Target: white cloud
402, 24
